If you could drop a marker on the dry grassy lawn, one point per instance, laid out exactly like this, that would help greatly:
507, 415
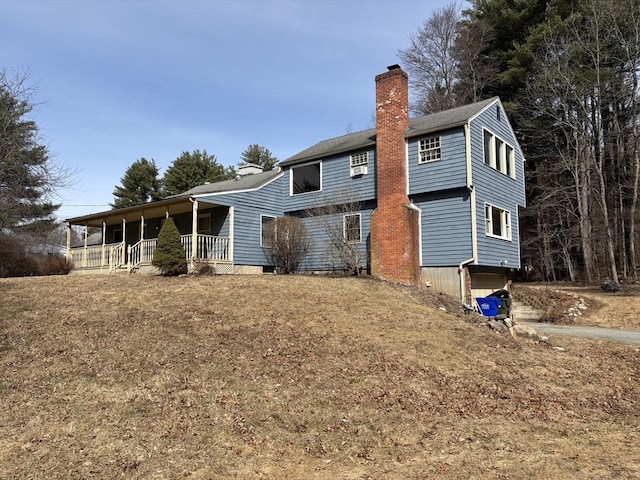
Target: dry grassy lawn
273, 377
617, 310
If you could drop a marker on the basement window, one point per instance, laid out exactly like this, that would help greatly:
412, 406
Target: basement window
429, 150
498, 222
306, 178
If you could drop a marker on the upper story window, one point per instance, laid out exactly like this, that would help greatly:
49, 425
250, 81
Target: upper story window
499, 154
498, 222
359, 163
429, 150
306, 178
352, 228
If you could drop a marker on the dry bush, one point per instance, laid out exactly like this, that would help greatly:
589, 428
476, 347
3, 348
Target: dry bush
55, 265
14, 259
288, 243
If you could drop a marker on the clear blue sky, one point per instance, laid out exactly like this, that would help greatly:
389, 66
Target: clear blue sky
119, 80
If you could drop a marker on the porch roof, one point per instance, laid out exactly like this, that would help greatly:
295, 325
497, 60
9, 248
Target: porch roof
176, 203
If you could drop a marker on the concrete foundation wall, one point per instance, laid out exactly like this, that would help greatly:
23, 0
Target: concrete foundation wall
442, 279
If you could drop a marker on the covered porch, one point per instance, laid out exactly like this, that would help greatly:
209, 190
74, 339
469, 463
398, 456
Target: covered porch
127, 238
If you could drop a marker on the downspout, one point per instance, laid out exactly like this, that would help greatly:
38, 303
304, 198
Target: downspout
472, 194
413, 206
461, 266
474, 226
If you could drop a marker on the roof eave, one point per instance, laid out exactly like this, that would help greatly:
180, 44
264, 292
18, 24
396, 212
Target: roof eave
123, 211
331, 153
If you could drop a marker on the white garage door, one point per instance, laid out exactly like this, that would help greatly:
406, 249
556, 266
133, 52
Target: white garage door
482, 284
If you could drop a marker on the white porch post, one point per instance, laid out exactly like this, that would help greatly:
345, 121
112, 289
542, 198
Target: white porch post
141, 227
230, 251
104, 240
68, 252
123, 259
194, 232
84, 250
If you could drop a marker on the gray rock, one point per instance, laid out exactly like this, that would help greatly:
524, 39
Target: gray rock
496, 325
525, 332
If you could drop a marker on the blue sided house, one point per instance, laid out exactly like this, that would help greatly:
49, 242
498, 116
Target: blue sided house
430, 201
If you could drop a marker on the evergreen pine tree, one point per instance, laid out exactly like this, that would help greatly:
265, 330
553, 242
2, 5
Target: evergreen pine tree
140, 184
169, 255
192, 169
258, 155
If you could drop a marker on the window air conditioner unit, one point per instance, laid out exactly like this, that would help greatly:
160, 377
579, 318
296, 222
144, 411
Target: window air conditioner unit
359, 170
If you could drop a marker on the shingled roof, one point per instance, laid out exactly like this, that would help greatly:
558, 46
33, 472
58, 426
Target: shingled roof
444, 120
246, 182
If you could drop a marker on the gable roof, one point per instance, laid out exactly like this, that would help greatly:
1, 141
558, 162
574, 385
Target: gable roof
438, 121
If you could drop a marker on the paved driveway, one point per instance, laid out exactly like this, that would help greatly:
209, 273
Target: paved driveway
598, 333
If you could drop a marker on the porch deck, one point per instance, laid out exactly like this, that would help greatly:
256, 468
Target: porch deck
112, 257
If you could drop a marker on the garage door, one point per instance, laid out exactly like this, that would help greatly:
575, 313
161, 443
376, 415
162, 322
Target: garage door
482, 284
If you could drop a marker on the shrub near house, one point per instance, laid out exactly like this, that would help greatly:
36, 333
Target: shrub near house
169, 255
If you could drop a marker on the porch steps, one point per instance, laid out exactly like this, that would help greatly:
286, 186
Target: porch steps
524, 313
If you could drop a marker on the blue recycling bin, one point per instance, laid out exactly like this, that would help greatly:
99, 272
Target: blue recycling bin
489, 305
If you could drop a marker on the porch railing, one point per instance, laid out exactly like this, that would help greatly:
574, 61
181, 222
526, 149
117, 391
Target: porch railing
96, 255
209, 247
117, 255
142, 252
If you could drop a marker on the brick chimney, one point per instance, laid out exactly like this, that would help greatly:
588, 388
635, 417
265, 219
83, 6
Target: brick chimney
394, 224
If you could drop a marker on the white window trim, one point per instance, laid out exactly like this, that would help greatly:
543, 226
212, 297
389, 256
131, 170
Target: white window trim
438, 138
361, 159
344, 227
261, 236
291, 194
204, 215
510, 165
505, 217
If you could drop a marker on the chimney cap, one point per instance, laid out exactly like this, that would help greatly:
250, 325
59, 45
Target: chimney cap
395, 66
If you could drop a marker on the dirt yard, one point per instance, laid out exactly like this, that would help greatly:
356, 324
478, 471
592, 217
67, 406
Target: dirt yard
275, 377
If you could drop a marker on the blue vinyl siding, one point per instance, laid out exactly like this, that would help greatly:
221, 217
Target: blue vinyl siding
336, 182
248, 207
497, 189
320, 256
448, 172
446, 231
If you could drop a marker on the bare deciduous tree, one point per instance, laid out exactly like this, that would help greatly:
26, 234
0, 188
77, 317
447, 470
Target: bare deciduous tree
339, 219
430, 61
